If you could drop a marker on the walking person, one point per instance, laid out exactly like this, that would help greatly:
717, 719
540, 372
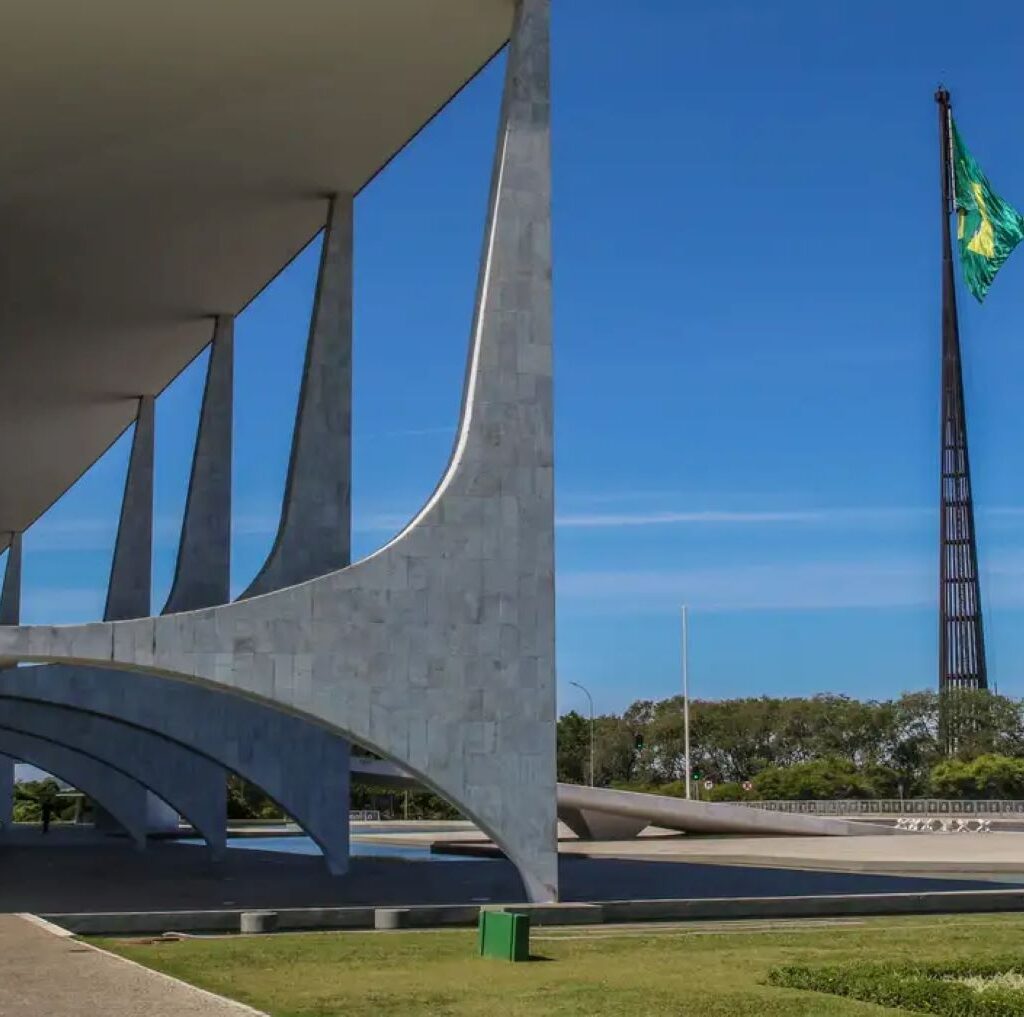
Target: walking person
47, 810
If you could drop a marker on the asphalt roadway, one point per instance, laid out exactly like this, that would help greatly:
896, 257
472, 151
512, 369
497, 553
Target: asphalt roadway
111, 875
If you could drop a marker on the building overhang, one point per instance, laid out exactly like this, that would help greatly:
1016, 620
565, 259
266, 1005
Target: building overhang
160, 164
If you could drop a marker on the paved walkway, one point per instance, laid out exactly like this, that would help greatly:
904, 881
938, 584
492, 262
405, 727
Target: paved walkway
41, 973
952, 854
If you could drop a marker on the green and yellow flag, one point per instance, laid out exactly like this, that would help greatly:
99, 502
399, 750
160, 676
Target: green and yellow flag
988, 228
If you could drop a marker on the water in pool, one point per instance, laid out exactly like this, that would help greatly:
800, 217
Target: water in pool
302, 845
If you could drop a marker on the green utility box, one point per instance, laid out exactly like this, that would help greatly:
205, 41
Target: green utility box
504, 935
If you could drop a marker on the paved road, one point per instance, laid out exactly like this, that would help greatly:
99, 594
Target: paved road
41, 973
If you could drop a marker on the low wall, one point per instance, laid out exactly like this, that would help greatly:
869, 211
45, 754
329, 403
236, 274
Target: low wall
852, 807
299, 919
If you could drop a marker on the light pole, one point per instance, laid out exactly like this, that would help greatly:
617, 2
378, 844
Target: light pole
686, 703
591, 699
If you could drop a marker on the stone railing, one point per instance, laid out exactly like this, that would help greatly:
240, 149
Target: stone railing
895, 807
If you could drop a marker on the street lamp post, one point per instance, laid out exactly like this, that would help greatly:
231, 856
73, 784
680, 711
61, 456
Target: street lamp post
686, 703
591, 700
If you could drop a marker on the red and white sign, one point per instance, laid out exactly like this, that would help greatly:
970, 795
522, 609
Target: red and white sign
708, 785
748, 786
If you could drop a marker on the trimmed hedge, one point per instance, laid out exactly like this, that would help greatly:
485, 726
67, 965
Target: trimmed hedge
925, 988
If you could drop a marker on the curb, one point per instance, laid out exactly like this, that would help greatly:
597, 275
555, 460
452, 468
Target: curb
573, 913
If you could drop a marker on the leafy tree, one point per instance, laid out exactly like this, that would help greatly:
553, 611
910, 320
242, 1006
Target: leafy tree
888, 748
988, 776
815, 780
401, 804
977, 723
573, 748
247, 801
29, 796
615, 752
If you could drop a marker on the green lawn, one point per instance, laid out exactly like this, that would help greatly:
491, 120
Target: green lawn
692, 971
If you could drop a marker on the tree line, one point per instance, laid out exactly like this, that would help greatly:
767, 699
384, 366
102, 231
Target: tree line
822, 747
825, 746
244, 801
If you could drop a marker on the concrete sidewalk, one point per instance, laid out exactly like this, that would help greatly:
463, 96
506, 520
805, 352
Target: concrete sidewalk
41, 973
989, 855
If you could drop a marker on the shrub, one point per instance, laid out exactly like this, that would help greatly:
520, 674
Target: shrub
924, 988
817, 779
730, 791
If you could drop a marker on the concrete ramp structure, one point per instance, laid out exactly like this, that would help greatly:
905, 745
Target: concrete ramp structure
597, 813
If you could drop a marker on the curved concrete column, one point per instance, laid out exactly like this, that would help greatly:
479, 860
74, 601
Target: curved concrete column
202, 572
437, 651
190, 783
128, 592
301, 766
313, 535
10, 593
124, 798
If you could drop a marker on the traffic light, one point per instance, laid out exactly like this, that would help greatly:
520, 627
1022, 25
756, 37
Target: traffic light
696, 775
638, 742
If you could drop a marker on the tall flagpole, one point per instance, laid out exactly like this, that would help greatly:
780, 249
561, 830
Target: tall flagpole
686, 703
961, 632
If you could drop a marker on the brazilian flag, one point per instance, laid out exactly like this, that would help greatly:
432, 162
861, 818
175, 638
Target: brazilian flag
988, 228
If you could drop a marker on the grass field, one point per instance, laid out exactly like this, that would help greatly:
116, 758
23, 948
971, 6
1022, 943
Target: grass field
696, 970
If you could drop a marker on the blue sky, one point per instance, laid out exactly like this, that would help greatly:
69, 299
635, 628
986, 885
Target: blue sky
746, 312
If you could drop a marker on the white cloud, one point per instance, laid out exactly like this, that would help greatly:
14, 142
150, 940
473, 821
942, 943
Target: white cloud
838, 584
824, 516
623, 519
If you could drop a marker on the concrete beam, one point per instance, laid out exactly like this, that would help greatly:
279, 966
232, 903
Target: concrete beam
192, 784
122, 797
202, 575
313, 536
128, 592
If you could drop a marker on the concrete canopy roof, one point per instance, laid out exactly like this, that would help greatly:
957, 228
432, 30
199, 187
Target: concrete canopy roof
160, 164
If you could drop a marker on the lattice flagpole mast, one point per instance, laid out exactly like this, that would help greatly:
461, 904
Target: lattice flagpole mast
961, 633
